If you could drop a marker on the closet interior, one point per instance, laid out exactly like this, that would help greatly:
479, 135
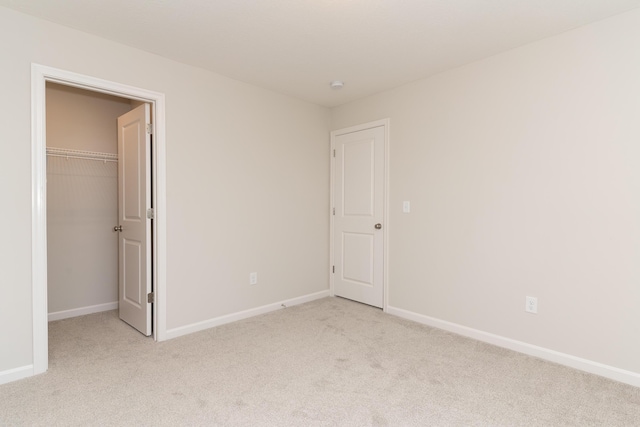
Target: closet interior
82, 200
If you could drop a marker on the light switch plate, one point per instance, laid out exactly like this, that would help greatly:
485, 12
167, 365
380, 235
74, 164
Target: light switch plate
406, 206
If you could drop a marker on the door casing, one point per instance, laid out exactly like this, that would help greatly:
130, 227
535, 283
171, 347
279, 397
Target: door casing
385, 229
40, 75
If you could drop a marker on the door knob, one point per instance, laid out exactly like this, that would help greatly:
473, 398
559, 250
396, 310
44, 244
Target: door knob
117, 228
378, 226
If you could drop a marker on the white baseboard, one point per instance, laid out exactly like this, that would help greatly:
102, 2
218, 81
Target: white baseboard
16, 374
217, 321
66, 314
611, 372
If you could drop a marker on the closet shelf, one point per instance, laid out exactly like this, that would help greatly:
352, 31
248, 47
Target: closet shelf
79, 154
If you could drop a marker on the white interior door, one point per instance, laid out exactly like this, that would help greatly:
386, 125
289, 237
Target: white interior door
359, 215
134, 198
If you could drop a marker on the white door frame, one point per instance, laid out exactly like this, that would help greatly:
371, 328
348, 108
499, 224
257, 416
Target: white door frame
40, 75
385, 229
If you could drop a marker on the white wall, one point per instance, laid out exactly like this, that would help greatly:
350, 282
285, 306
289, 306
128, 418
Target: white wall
82, 204
247, 181
79, 119
523, 172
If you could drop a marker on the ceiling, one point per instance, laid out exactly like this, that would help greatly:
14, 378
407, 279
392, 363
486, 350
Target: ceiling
297, 47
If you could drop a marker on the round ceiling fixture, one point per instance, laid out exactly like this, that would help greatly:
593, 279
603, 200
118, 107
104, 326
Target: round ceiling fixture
336, 84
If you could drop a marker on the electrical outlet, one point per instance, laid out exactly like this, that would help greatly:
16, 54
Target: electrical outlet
253, 278
531, 305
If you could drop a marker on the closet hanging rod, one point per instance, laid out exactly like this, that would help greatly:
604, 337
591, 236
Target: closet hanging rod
82, 158
83, 155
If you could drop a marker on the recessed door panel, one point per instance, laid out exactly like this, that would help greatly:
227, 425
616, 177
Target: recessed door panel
357, 258
358, 170
133, 261
130, 157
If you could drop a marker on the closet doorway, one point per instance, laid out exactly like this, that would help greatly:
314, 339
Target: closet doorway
83, 216
82, 204
98, 233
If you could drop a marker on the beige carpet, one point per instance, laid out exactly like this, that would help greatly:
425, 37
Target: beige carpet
331, 362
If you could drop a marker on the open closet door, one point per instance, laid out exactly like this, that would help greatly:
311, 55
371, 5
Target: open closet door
134, 198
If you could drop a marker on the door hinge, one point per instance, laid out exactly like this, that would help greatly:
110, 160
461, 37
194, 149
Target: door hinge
334, 153
334, 211
151, 213
334, 269
149, 128
151, 297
